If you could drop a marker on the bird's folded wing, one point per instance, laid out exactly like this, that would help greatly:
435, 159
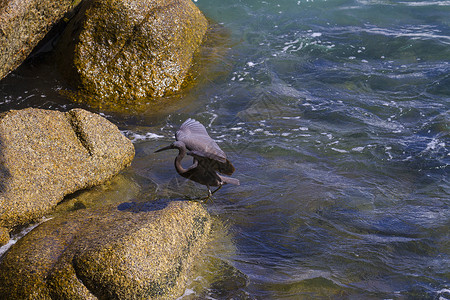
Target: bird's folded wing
199, 155
211, 162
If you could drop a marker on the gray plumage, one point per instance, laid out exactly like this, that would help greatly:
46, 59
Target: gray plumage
209, 160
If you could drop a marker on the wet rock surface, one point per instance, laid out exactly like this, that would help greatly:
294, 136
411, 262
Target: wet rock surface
23, 23
46, 155
4, 235
127, 251
130, 51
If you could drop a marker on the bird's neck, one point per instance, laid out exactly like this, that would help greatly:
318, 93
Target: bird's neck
178, 159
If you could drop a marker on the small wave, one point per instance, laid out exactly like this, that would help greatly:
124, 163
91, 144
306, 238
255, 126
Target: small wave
358, 149
434, 144
135, 137
339, 150
415, 32
412, 3
426, 3
444, 294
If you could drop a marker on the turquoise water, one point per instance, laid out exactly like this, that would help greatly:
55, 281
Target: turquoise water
336, 116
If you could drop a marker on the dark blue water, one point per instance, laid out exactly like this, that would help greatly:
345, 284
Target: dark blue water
336, 116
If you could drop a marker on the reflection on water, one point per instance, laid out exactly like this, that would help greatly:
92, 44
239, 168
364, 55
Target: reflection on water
336, 117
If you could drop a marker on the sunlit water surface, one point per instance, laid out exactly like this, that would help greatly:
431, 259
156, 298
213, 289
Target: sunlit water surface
336, 116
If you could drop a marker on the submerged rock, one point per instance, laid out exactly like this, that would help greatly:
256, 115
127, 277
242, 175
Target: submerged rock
130, 251
23, 23
129, 51
45, 155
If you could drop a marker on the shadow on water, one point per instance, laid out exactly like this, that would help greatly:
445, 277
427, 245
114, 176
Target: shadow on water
4, 172
138, 207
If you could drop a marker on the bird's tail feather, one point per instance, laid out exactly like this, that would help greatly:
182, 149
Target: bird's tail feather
229, 180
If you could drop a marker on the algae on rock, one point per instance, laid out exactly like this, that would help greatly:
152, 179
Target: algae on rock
130, 251
46, 155
131, 51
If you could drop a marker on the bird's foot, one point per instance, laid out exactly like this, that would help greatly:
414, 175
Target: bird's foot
199, 199
207, 198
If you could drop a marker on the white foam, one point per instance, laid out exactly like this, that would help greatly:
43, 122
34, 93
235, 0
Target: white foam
134, 137
426, 3
358, 149
328, 135
286, 48
292, 42
445, 290
339, 150
8, 245
187, 292
435, 143
24, 232
214, 116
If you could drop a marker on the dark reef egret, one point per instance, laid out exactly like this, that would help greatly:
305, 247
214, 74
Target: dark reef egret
208, 159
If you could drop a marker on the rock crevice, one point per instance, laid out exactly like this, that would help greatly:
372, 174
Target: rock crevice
46, 155
78, 130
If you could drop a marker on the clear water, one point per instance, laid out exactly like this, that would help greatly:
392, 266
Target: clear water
336, 116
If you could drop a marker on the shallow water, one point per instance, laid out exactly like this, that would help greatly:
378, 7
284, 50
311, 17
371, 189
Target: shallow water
336, 116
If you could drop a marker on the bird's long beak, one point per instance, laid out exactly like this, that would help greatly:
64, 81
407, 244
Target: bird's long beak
165, 148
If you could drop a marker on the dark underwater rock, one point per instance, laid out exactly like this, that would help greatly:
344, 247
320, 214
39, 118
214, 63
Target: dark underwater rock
129, 251
45, 155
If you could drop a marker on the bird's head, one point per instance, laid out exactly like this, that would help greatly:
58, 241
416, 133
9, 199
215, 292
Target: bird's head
174, 145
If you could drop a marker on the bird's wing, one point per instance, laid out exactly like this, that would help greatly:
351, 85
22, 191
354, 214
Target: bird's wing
200, 155
229, 180
193, 134
191, 126
224, 167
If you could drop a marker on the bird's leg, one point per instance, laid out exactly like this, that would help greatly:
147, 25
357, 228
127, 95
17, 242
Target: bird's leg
220, 186
209, 197
205, 199
210, 194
